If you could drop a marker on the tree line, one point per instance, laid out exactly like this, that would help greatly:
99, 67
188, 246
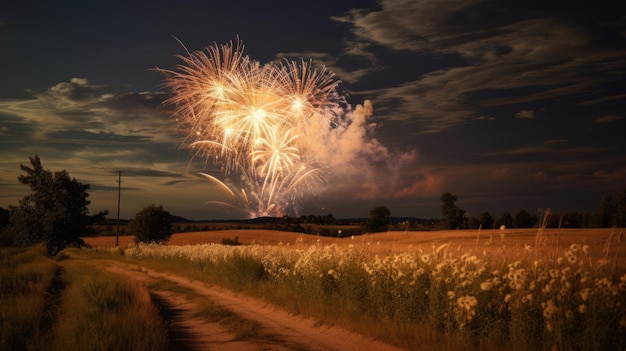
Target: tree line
610, 212
56, 213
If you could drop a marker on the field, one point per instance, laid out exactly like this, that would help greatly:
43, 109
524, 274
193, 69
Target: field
527, 289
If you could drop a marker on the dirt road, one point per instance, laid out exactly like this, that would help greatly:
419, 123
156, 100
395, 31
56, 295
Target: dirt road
277, 329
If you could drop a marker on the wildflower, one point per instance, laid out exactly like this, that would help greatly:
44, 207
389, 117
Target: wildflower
582, 308
586, 249
451, 294
467, 302
486, 286
549, 309
507, 298
425, 258
572, 259
584, 294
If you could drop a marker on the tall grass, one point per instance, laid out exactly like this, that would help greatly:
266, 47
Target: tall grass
67, 305
102, 311
538, 297
26, 277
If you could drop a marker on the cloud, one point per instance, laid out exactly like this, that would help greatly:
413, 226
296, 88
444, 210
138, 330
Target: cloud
525, 114
80, 106
521, 53
607, 119
361, 61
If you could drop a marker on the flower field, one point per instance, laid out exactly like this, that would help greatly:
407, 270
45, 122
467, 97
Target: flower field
543, 293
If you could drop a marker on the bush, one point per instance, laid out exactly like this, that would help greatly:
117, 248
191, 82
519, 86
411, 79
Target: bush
232, 242
153, 224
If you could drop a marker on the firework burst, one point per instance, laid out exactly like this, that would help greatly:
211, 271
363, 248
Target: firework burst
261, 123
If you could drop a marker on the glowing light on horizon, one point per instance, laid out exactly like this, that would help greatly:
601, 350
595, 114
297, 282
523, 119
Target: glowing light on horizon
259, 122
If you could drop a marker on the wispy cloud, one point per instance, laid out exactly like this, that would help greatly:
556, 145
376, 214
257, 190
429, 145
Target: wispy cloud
522, 54
607, 119
525, 114
80, 106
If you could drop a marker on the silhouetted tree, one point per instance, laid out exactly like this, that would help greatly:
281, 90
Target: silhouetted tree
153, 224
485, 220
378, 220
604, 212
619, 206
5, 238
451, 215
4, 217
506, 219
523, 219
571, 220
55, 212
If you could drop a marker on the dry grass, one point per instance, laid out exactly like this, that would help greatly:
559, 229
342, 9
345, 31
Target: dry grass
556, 240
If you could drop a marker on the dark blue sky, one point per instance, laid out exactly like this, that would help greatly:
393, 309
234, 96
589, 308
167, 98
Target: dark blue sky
510, 105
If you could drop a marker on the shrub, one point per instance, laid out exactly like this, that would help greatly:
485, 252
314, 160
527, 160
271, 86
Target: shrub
153, 224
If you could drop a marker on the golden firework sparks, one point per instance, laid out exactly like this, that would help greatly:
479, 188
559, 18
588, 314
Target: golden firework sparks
255, 121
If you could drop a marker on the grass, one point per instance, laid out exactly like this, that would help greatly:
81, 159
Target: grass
67, 305
514, 290
478, 292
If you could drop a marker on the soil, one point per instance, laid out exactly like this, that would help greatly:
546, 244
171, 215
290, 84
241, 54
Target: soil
279, 329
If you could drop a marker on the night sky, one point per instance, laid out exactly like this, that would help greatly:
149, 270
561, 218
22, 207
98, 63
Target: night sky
510, 105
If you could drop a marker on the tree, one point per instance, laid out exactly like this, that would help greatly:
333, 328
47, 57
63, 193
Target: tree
378, 220
153, 224
5, 239
451, 215
4, 217
523, 219
506, 220
485, 220
55, 212
604, 212
619, 209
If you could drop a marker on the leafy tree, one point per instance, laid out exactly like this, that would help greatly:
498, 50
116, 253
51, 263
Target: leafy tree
451, 215
506, 220
571, 220
378, 220
55, 212
523, 219
5, 238
619, 215
485, 220
4, 217
604, 212
153, 224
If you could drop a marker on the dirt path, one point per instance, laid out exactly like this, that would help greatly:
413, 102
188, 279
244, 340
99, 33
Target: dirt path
280, 330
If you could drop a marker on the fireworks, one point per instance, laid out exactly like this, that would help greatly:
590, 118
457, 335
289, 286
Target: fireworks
262, 123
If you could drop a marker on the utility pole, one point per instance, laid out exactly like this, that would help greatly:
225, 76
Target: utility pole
119, 192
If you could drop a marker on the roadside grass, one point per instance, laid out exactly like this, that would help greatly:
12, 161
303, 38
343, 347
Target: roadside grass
26, 278
66, 305
103, 311
474, 294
